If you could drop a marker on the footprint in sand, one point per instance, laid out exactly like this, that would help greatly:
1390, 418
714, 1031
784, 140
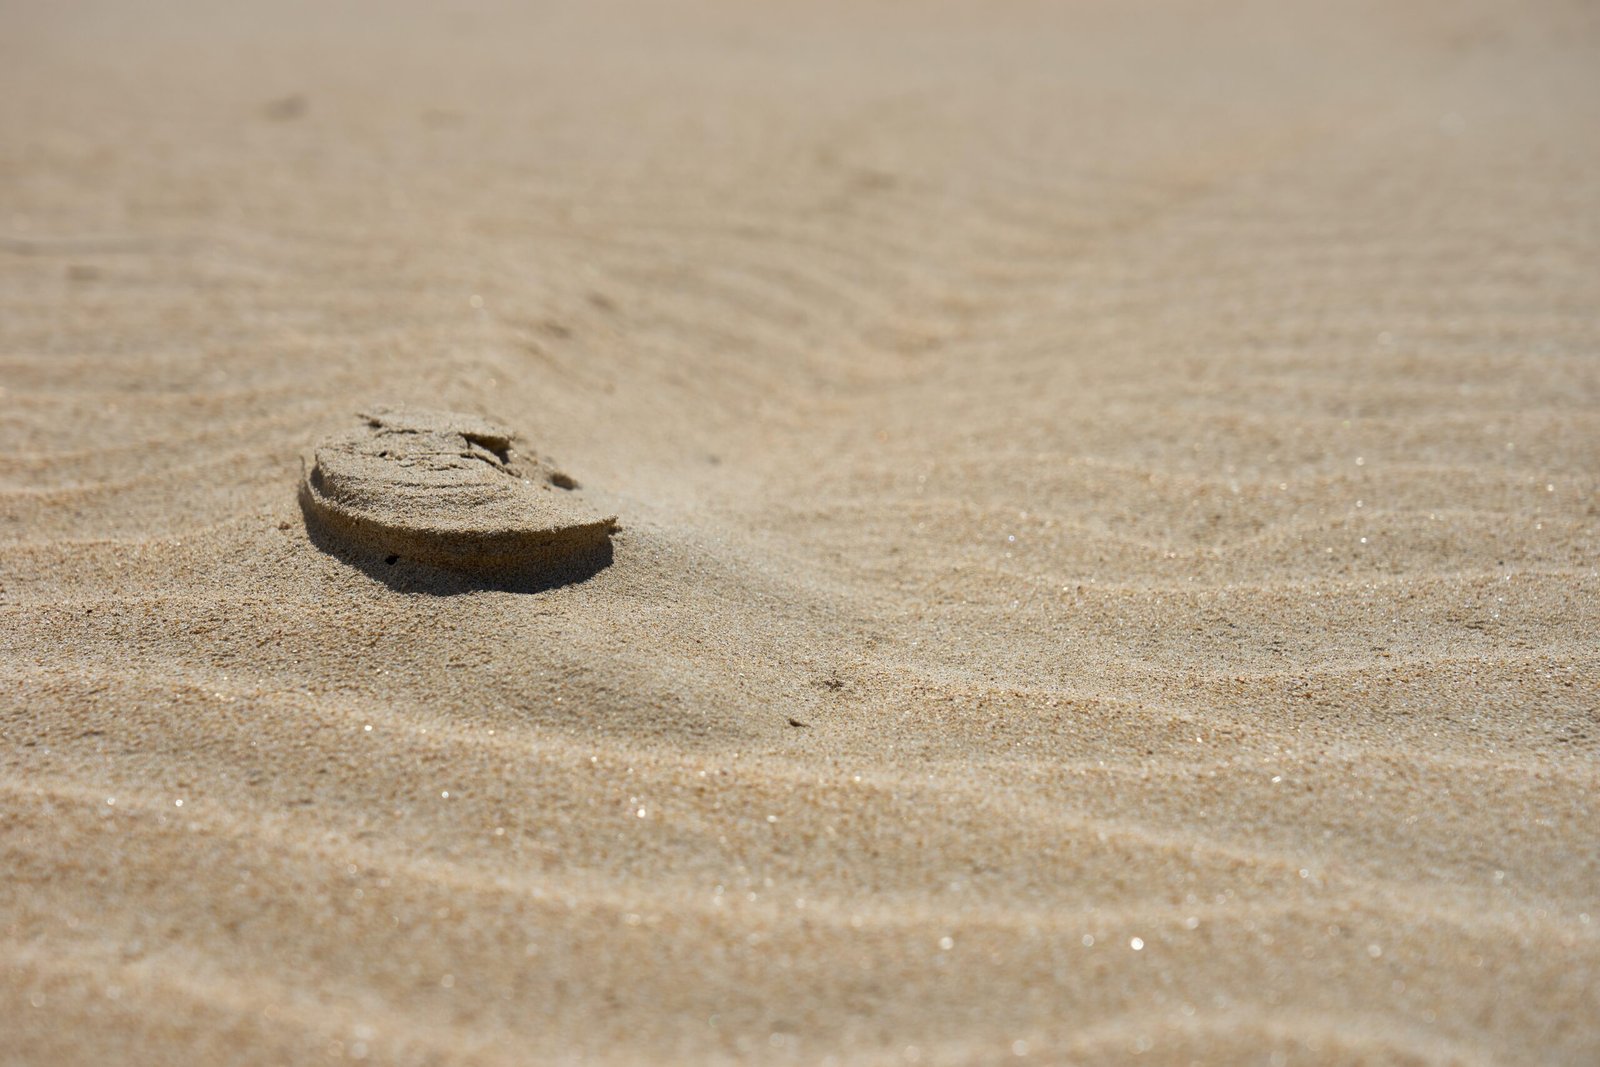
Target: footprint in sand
449, 490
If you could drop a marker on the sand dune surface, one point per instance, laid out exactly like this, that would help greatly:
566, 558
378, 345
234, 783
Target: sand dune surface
1108, 517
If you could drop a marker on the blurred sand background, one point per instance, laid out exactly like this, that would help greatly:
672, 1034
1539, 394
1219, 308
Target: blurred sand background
1154, 449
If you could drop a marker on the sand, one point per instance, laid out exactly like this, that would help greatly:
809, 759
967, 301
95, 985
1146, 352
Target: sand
1108, 509
463, 497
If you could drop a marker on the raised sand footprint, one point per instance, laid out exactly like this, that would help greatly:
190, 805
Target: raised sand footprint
450, 490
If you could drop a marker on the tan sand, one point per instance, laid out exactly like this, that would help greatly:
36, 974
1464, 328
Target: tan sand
1108, 553
452, 492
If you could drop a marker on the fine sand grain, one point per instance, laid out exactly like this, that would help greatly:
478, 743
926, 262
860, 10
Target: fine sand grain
1109, 503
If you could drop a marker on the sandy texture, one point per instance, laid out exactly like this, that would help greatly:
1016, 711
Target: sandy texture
441, 490
1107, 568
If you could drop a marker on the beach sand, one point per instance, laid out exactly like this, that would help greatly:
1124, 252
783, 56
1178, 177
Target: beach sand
1108, 500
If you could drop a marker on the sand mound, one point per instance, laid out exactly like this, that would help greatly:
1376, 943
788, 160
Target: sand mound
450, 490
